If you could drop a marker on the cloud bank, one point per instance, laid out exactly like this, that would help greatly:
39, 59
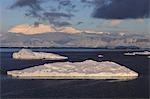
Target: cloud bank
114, 10
122, 9
34, 4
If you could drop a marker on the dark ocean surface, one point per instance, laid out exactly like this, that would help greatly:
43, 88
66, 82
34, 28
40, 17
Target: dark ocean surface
79, 88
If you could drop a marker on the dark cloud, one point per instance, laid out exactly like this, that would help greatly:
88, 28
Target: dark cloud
65, 2
66, 5
95, 2
57, 14
33, 14
33, 4
36, 10
79, 23
122, 9
88, 1
56, 18
105, 9
33, 7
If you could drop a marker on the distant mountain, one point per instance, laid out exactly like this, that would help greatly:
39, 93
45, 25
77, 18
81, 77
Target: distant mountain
63, 39
40, 35
31, 29
42, 28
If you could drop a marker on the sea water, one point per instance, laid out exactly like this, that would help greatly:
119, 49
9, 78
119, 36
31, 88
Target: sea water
79, 88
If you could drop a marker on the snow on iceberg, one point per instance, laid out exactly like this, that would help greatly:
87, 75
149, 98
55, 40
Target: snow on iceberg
79, 70
28, 54
138, 53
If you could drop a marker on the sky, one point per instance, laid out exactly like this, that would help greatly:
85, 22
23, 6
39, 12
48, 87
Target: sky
96, 15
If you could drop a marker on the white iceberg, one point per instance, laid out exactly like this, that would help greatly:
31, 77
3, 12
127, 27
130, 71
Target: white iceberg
138, 53
28, 54
100, 56
142, 53
79, 70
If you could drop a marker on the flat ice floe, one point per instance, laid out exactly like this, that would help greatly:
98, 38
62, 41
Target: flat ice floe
138, 53
28, 54
79, 70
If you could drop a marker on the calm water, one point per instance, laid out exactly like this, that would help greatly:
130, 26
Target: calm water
19, 88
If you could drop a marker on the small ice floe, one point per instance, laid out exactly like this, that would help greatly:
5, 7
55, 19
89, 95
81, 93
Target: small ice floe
28, 54
148, 56
138, 53
129, 54
100, 56
78, 70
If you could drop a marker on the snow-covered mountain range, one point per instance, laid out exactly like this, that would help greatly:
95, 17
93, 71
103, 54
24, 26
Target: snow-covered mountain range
42, 28
47, 36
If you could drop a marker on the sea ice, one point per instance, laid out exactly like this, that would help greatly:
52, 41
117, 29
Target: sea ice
28, 54
88, 69
138, 53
